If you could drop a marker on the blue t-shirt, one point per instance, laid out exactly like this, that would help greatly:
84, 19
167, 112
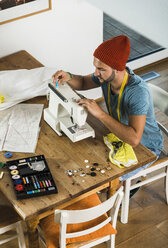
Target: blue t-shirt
136, 99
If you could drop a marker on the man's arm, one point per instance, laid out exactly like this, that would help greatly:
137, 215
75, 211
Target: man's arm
77, 82
131, 133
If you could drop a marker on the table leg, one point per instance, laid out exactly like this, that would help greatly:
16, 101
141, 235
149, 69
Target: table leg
33, 233
113, 187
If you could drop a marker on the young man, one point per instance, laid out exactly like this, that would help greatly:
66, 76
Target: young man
131, 114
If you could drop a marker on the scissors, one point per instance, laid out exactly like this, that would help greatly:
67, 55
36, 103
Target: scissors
117, 145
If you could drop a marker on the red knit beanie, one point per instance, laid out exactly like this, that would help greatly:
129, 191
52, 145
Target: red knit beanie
114, 52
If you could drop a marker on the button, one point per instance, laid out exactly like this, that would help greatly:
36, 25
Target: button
95, 164
92, 174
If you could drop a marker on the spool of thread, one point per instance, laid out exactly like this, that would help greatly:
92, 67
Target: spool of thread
15, 177
13, 167
8, 155
19, 187
18, 181
2, 165
14, 172
1, 175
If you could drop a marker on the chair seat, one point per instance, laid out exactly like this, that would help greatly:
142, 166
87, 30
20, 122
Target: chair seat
7, 216
79, 244
51, 229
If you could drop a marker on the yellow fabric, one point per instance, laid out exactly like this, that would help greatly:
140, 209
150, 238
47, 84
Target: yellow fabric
2, 98
51, 229
125, 155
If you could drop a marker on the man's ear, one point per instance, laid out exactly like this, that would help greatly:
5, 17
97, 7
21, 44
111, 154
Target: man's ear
115, 71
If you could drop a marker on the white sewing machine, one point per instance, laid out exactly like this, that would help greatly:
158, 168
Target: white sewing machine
65, 114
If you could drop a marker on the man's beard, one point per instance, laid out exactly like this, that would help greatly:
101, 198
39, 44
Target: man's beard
108, 80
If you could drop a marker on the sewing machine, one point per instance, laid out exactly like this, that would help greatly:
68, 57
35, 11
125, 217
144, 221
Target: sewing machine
65, 114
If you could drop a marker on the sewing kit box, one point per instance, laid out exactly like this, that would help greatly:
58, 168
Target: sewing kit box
31, 177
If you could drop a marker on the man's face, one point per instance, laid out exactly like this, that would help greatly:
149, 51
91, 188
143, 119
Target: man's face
104, 72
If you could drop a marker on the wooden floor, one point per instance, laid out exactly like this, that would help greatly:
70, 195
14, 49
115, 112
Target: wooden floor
159, 67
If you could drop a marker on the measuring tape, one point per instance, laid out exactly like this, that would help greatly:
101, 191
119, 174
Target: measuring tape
119, 97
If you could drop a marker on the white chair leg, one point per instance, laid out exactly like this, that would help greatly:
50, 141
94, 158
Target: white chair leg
21, 239
111, 243
166, 184
125, 202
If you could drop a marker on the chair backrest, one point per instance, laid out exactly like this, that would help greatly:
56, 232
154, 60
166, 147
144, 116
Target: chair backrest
163, 128
165, 135
160, 98
10, 221
65, 217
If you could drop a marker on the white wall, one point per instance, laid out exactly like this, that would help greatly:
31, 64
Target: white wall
148, 17
64, 37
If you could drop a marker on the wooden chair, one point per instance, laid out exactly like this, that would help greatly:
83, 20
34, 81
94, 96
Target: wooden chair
160, 100
66, 217
10, 226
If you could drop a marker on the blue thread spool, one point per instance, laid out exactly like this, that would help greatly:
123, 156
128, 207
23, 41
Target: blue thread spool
18, 181
8, 155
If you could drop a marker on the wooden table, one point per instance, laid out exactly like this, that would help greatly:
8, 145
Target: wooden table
62, 155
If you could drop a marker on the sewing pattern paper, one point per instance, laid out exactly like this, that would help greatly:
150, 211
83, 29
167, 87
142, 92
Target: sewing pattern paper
20, 128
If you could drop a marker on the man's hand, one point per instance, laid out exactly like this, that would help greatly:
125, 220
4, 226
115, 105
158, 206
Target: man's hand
61, 76
92, 107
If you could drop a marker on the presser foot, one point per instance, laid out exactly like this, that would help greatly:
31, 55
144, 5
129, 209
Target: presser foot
74, 132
